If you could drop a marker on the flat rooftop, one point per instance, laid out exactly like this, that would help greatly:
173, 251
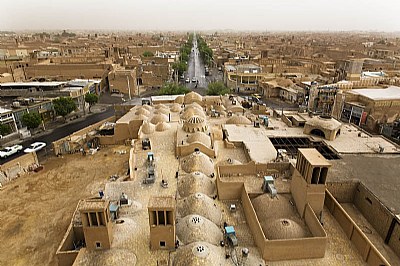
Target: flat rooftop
260, 148
390, 93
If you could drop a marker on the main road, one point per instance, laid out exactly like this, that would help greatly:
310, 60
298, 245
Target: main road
196, 70
63, 131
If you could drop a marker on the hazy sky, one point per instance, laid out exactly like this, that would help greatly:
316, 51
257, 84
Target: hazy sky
383, 15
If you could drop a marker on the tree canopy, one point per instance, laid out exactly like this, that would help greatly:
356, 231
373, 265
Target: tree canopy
31, 120
173, 89
64, 105
5, 129
180, 67
148, 54
91, 99
217, 88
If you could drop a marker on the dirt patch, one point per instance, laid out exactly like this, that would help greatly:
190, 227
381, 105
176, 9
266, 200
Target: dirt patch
37, 208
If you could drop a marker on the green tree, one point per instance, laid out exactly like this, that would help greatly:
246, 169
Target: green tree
148, 54
180, 67
217, 88
31, 120
91, 99
173, 89
5, 129
64, 105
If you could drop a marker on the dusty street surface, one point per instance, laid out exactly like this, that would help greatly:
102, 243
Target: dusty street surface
37, 208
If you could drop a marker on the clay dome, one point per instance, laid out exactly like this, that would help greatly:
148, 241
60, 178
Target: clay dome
160, 106
176, 107
199, 253
191, 112
283, 228
162, 111
179, 99
194, 228
194, 124
140, 117
202, 205
197, 162
192, 97
147, 107
196, 182
277, 207
201, 137
159, 118
142, 111
147, 127
162, 126
238, 120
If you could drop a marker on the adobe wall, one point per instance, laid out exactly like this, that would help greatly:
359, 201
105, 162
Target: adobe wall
132, 164
286, 120
228, 190
373, 210
183, 150
394, 241
58, 145
67, 70
343, 191
365, 248
17, 167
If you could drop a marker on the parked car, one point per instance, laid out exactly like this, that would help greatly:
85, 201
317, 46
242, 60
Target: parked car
187, 80
36, 146
8, 151
194, 79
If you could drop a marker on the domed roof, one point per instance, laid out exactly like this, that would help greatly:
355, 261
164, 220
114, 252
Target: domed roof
196, 182
159, 118
199, 137
147, 107
147, 127
192, 97
176, 107
236, 109
179, 99
142, 111
277, 207
115, 256
202, 205
197, 162
284, 82
160, 106
194, 123
324, 122
162, 126
193, 105
199, 253
283, 228
140, 117
238, 120
194, 228
191, 112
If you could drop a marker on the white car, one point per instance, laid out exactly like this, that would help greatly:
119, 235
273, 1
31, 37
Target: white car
194, 79
188, 80
36, 146
8, 151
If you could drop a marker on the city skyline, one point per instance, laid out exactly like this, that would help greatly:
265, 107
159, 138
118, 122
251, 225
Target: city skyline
255, 15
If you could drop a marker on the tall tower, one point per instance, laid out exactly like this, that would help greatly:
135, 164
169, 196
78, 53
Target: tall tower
354, 69
97, 227
162, 222
309, 186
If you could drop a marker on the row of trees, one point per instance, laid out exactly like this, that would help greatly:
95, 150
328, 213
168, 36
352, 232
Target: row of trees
62, 106
205, 52
181, 66
215, 88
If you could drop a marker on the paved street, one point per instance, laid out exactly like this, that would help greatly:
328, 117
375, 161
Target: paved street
63, 131
196, 69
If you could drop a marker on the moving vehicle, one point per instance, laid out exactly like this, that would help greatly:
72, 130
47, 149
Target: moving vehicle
8, 151
187, 80
36, 146
194, 79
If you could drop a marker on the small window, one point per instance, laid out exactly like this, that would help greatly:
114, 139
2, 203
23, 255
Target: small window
98, 245
162, 244
369, 201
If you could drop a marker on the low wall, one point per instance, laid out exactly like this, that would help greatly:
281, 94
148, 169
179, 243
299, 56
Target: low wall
132, 163
365, 248
343, 191
59, 146
286, 120
17, 167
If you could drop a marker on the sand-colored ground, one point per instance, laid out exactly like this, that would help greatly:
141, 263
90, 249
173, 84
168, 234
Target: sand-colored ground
37, 208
